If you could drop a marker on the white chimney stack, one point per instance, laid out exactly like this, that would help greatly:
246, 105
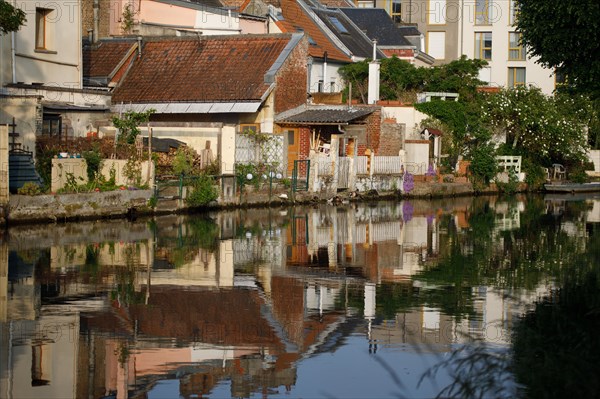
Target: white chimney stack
373, 95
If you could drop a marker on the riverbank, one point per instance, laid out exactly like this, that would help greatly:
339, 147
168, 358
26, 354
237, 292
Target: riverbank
57, 208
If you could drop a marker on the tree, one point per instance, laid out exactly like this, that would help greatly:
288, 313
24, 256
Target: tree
565, 35
11, 18
537, 126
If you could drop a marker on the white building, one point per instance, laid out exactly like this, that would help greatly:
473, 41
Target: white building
481, 29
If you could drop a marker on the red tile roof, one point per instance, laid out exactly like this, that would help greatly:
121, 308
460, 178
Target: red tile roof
101, 59
204, 69
296, 19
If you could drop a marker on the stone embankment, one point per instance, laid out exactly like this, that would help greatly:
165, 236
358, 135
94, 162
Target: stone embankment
131, 203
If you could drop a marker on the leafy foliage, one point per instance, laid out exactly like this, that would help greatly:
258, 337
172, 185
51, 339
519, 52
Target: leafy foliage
483, 165
203, 192
401, 80
11, 18
128, 125
29, 188
564, 24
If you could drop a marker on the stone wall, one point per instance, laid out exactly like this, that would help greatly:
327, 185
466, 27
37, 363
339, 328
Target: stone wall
53, 208
378, 182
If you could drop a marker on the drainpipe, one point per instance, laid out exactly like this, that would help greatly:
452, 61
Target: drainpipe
96, 19
13, 57
139, 41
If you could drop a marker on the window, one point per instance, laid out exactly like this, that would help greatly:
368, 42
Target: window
51, 125
513, 12
560, 79
253, 127
516, 51
483, 45
516, 77
41, 39
482, 12
396, 11
366, 4
338, 25
436, 13
436, 45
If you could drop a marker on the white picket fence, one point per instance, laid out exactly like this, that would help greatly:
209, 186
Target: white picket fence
386, 165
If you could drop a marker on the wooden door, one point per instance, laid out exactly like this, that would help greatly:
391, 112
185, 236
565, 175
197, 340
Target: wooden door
291, 137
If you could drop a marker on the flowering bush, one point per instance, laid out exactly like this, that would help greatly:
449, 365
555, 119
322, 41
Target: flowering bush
408, 183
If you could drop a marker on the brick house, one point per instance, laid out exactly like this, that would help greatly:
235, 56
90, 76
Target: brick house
207, 90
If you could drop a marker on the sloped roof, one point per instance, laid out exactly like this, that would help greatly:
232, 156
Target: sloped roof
347, 32
326, 115
296, 19
210, 69
377, 24
100, 59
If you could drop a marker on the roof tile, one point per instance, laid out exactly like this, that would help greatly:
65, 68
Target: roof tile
100, 59
296, 20
210, 69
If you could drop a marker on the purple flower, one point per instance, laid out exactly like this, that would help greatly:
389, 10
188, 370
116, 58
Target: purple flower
409, 182
431, 170
407, 211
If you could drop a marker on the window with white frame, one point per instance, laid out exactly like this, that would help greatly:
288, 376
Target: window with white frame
483, 45
516, 50
516, 76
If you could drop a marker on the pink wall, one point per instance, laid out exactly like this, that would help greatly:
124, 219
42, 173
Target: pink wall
165, 13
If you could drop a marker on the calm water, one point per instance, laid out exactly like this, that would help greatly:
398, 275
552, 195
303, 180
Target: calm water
408, 299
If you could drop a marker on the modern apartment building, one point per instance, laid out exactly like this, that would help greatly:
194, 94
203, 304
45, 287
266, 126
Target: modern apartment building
476, 28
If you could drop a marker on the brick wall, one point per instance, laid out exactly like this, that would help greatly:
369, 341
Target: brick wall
290, 82
391, 137
373, 122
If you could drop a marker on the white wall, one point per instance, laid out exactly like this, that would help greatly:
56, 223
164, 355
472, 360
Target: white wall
316, 74
409, 116
499, 64
60, 63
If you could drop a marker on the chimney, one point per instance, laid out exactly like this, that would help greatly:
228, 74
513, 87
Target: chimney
96, 30
373, 95
324, 71
139, 42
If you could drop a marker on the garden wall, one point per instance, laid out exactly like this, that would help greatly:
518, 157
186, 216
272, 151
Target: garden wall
63, 168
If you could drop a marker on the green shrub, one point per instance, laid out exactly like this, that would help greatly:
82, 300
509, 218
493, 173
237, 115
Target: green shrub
535, 176
483, 165
511, 186
29, 188
203, 192
93, 160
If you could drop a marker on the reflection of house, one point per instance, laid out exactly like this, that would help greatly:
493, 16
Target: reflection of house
206, 91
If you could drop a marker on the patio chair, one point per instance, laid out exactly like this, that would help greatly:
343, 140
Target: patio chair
559, 171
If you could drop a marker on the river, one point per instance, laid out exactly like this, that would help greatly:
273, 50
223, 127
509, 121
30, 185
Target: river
386, 299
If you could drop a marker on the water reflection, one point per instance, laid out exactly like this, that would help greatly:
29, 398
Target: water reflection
279, 302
